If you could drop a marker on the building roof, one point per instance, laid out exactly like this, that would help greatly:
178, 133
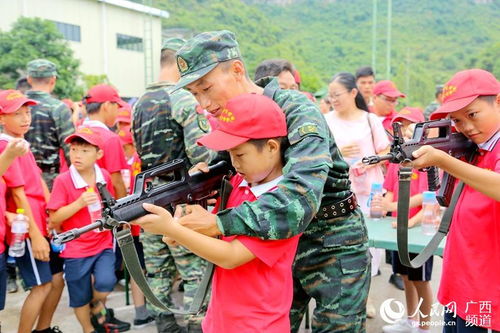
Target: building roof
137, 7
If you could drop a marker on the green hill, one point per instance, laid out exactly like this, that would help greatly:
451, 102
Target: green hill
430, 39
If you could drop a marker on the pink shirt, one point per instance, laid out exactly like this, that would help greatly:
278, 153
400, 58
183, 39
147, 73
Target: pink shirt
471, 263
66, 190
359, 131
418, 185
256, 296
29, 175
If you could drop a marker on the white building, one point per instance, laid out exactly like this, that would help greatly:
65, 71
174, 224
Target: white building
119, 38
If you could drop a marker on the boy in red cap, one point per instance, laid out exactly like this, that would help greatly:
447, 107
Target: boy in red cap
27, 190
89, 259
385, 98
102, 104
252, 286
124, 117
416, 281
469, 285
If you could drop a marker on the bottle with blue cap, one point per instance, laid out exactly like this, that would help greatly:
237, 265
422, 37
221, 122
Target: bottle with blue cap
375, 201
430, 213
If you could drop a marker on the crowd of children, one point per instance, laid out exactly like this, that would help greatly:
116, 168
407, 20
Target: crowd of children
253, 276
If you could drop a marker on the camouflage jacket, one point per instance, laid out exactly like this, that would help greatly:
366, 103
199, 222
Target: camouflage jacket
433, 106
314, 171
165, 126
50, 125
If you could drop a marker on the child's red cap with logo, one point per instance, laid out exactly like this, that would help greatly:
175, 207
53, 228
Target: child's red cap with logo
246, 117
463, 88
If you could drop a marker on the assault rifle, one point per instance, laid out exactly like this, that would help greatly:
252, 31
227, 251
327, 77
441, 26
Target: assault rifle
439, 135
179, 188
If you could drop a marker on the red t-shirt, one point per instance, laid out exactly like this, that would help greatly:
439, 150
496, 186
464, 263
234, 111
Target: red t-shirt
114, 157
90, 243
25, 172
471, 264
256, 296
418, 185
387, 122
3, 225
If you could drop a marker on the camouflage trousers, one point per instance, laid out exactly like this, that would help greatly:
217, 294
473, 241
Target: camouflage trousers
163, 263
49, 178
332, 265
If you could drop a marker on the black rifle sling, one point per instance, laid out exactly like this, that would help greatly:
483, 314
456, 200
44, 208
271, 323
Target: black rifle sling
202, 290
402, 220
129, 254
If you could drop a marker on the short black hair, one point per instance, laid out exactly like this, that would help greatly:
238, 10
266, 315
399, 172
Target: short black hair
81, 142
41, 80
22, 84
167, 57
439, 90
260, 143
364, 71
488, 98
92, 107
272, 67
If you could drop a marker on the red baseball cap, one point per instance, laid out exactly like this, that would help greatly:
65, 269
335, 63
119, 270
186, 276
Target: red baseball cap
88, 134
415, 115
387, 88
11, 100
124, 114
104, 93
245, 117
463, 88
125, 135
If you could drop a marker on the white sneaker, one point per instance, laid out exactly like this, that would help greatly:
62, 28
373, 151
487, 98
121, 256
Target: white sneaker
401, 326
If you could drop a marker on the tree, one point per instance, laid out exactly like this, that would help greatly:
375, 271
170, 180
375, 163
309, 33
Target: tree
32, 38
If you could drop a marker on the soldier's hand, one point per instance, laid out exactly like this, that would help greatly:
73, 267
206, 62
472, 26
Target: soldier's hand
159, 222
199, 219
202, 166
41, 248
17, 147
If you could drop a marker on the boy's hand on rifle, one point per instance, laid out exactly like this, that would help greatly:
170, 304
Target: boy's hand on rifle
427, 156
198, 219
159, 222
88, 198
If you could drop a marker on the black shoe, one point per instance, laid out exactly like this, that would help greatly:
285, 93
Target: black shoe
379, 273
181, 287
165, 323
140, 323
54, 329
122, 326
397, 281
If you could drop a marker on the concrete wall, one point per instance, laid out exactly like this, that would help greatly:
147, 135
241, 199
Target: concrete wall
99, 23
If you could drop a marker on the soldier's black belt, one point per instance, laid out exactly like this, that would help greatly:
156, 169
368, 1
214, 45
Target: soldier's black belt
49, 168
337, 209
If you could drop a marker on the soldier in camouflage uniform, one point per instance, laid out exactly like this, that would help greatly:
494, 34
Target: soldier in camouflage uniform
51, 120
332, 263
165, 127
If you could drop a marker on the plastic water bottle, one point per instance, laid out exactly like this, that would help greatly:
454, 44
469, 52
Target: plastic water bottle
56, 247
95, 209
375, 199
431, 213
19, 229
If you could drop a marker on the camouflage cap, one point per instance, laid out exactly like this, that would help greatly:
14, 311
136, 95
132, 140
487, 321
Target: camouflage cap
41, 68
203, 52
173, 43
